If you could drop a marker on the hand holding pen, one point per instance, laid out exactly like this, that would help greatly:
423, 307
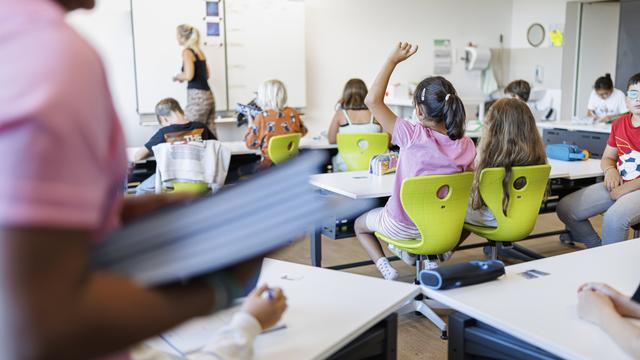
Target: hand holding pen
266, 305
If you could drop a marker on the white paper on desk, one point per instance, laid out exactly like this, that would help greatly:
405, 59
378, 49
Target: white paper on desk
195, 334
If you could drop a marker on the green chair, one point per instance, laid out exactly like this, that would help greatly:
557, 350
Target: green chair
440, 222
527, 187
190, 187
357, 149
283, 147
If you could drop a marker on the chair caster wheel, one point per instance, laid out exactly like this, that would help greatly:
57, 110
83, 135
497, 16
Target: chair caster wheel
444, 335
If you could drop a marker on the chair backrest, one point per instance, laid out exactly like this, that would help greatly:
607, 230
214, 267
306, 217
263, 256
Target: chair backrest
526, 188
437, 205
283, 147
190, 187
357, 149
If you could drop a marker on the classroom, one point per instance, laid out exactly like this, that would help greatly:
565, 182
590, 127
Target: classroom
320, 179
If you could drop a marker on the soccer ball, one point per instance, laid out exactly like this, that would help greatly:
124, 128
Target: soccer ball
629, 165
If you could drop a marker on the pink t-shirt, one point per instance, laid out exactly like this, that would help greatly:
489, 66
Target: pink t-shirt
64, 160
425, 152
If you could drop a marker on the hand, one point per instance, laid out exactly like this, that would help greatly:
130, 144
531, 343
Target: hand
402, 52
612, 179
593, 306
267, 311
177, 79
604, 119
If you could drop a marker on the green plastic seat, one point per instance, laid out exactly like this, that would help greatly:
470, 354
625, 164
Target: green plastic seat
440, 221
517, 222
357, 149
190, 187
283, 147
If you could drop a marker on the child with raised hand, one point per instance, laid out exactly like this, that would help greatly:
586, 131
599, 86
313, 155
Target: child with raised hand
435, 145
510, 138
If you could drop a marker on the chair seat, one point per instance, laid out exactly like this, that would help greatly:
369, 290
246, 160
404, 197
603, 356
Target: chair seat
406, 245
483, 231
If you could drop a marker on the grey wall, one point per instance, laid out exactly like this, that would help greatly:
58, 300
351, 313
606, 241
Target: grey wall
628, 62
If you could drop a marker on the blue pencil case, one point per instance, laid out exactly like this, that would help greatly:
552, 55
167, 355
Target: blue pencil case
566, 152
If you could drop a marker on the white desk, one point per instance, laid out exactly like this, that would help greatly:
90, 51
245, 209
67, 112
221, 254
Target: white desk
563, 124
240, 148
542, 311
326, 309
362, 185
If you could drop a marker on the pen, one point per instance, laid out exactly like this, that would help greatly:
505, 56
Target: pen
269, 294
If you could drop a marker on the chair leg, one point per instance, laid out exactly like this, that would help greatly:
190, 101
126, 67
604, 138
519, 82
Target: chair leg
423, 307
516, 252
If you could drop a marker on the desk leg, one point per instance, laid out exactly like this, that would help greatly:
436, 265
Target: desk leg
315, 246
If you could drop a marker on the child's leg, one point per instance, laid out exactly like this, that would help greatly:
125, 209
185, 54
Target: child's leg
364, 228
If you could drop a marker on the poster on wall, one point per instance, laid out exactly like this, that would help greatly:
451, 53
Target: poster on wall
442, 57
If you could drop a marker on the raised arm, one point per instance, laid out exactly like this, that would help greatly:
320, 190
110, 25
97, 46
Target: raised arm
375, 97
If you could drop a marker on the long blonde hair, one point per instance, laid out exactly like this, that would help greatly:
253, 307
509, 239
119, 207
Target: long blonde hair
190, 36
510, 138
272, 94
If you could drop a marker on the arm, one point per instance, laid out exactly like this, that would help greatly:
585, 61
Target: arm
142, 154
253, 132
189, 69
208, 72
598, 309
608, 164
625, 188
375, 97
623, 303
610, 118
591, 114
333, 128
65, 308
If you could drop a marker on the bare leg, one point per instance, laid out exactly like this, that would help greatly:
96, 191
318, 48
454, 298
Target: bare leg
368, 241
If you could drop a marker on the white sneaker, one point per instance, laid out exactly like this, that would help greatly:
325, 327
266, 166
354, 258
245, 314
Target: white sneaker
408, 258
446, 256
385, 268
429, 265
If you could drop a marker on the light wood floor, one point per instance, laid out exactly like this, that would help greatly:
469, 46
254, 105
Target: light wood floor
417, 337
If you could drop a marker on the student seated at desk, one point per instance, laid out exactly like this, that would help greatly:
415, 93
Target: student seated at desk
518, 89
617, 196
436, 145
611, 310
276, 119
510, 138
175, 128
606, 103
352, 116
235, 341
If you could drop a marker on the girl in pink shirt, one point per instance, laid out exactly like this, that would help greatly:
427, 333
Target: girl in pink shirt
435, 145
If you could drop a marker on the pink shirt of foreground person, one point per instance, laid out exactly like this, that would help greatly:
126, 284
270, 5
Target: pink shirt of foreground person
425, 152
61, 174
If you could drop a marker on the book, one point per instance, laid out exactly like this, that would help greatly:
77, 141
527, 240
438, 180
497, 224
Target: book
242, 222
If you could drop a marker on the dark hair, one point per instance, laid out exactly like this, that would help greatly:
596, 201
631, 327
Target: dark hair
441, 103
355, 90
166, 106
635, 79
604, 83
520, 88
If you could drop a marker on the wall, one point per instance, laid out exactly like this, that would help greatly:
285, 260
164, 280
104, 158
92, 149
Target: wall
342, 42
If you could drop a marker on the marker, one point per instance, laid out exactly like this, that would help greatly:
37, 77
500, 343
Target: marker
269, 294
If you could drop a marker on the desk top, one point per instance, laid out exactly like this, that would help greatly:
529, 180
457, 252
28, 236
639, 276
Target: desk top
327, 309
362, 185
564, 124
542, 311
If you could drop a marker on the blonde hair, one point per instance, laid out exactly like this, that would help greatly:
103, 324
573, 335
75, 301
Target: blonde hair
167, 106
190, 36
510, 138
272, 94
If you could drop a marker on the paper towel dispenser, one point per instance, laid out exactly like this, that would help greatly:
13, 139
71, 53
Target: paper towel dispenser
476, 58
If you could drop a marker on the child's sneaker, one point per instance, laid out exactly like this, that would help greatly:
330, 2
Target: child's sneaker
429, 264
385, 268
446, 256
408, 258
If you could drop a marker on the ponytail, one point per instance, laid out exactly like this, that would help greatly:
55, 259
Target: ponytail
454, 116
190, 36
604, 83
441, 103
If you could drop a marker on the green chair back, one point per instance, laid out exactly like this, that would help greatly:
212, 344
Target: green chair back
283, 147
440, 221
524, 204
357, 149
190, 187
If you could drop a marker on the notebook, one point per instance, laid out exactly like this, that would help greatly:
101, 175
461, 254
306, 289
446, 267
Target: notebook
247, 220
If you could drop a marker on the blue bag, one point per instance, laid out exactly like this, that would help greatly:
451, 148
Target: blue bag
566, 152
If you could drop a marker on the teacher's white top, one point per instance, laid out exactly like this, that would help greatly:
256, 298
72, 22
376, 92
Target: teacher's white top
542, 311
362, 185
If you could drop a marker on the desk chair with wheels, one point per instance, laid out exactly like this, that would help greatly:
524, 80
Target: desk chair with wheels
440, 222
283, 147
357, 149
527, 187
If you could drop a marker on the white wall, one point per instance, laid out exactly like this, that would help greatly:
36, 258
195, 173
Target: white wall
527, 12
351, 38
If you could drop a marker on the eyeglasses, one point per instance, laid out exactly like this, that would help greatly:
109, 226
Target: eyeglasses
633, 94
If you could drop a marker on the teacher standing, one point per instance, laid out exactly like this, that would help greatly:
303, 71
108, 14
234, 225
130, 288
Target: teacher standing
201, 105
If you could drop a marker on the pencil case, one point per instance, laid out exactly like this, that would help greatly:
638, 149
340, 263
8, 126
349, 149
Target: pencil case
384, 163
566, 152
462, 274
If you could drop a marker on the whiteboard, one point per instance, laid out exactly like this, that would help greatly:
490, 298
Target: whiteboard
259, 40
